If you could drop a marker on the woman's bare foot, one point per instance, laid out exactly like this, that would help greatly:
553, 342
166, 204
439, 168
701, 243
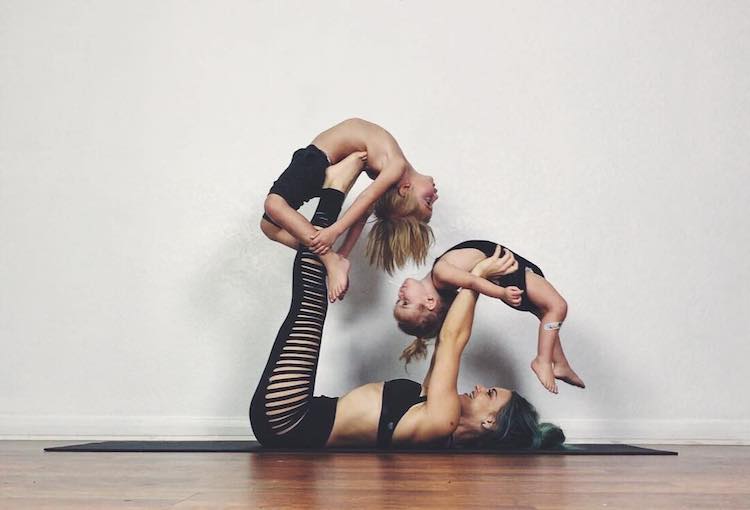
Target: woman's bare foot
545, 373
342, 175
566, 374
338, 274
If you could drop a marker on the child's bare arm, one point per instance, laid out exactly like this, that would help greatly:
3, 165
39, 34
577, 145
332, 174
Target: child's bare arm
389, 176
352, 235
448, 275
510, 295
453, 276
476, 280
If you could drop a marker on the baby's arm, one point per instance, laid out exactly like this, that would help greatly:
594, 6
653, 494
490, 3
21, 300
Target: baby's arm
448, 275
352, 235
453, 276
389, 176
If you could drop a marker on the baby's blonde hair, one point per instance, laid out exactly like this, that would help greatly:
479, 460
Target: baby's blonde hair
397, 234
425, 327
415, 350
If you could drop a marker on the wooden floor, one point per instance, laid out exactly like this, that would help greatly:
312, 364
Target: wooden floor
710, 477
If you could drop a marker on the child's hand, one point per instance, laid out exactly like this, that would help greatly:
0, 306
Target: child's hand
496, 266
512, 296
322, 240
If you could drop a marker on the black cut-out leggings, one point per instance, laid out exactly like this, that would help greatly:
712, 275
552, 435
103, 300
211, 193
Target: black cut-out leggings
283, 411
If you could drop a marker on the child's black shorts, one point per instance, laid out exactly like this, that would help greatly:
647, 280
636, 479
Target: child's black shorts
303, 178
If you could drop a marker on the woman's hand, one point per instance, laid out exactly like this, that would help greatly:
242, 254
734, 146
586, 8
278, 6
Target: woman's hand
322, 240
496, 266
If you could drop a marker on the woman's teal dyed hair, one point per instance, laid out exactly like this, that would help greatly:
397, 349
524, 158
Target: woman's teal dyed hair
519, 427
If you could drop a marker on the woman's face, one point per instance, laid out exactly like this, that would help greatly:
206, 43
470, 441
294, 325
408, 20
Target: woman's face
482, 404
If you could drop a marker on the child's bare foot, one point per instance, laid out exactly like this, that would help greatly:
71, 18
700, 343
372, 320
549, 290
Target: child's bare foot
545, 373
566, 374
342, 175
338, 275
355, 159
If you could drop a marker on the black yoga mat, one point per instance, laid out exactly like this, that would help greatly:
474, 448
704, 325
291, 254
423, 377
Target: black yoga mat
255, 447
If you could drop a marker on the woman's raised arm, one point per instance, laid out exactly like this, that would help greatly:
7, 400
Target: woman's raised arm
442, 408
489, 267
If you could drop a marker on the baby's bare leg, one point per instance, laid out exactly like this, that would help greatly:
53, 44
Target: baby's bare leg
552, 310
290, 222
291, 227
295, 228
278, 234
562, 369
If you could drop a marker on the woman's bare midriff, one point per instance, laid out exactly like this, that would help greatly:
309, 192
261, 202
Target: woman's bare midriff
357, 417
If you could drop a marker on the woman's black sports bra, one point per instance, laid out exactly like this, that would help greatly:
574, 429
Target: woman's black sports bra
399, 395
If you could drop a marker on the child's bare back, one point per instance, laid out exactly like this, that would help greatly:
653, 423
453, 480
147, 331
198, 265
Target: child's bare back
354, 135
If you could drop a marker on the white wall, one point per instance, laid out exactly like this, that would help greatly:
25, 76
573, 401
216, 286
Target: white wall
606, 141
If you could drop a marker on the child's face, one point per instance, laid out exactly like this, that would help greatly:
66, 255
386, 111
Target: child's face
424, 190
413, 297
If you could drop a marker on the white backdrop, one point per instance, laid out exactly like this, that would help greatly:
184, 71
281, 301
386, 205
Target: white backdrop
606, 141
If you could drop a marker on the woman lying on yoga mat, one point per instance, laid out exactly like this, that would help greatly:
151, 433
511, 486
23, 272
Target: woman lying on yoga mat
284, 413
422, 304
401, 197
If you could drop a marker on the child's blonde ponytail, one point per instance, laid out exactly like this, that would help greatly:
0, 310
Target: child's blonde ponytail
417, 349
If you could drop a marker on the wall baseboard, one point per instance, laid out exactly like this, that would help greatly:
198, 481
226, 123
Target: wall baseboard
656, 431
83, 426
79, 427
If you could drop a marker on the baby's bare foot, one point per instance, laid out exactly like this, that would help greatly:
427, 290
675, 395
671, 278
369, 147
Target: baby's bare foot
544, 371
566, 374
341, 175
360, 156
338, 275
352, 164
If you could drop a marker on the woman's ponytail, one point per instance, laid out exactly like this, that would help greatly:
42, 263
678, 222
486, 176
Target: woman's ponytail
548, 435
518, 427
